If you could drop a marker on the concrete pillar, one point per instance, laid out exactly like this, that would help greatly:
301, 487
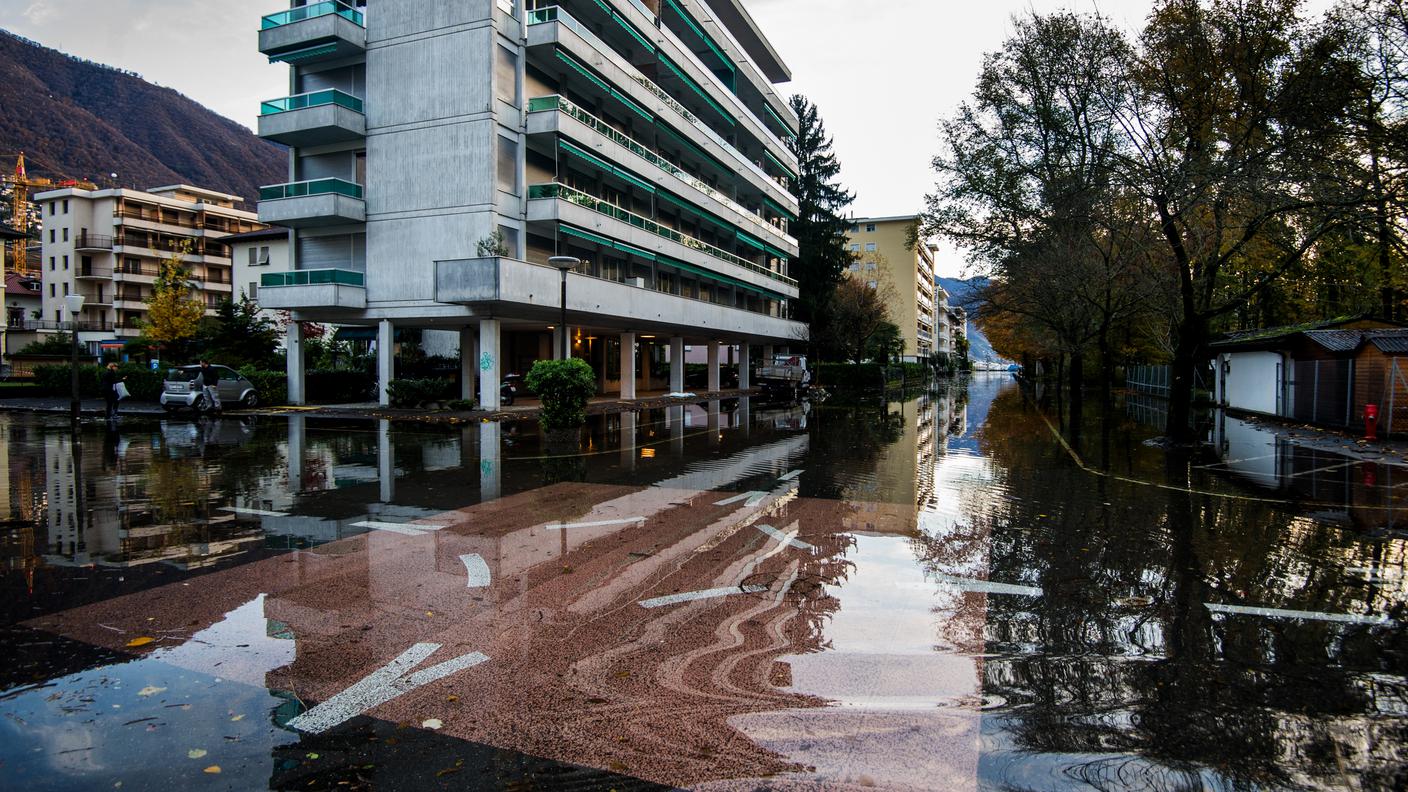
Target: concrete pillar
297, 449
489, 376
714, 423
767, 354
385, 462
628, 365
675, 423
490, 471
557, 342
713, 366
745, 360
385, 359
297, 370
469, 362
677, 365
745, 415
629, 424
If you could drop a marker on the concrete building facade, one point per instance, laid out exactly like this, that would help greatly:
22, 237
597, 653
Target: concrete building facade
890, 254
108, 245
441, 154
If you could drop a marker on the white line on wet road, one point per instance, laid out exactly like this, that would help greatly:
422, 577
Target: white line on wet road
791, 475
597, 524
386, 683
691, 596
400, 528
476, 570
789, 538
1278, 613
989, 587
253, 512
753, 498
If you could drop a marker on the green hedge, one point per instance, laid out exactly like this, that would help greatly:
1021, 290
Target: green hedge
849, 376
270, 386
142, 383
413, 393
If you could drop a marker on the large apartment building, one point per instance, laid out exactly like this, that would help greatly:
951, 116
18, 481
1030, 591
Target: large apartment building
108, 245
889, 253
443, 153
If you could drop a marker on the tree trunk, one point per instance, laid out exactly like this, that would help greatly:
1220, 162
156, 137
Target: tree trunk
1191, 334
1386, 291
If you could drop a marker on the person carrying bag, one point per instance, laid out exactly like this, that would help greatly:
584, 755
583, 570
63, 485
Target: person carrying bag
114, 389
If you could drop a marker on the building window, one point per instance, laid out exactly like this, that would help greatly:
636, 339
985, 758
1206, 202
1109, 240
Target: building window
53, 290
52, 240
253, 292
855, 228
51, 263
506, 76
507, 168
65, 231
870, 265
65, 263
65, 289
65, 206
873, 284
855, 248
869, 247
53, 206
869, 228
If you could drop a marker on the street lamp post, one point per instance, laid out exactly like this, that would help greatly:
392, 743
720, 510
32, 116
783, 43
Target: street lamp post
564, 264
74, 304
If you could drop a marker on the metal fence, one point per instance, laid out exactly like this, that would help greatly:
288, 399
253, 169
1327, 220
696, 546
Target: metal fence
1150, 380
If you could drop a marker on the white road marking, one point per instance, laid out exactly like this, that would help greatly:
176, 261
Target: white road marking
1278, 613
253, 512
989, 587
598, 524
691, 596
788, 538
754, 497
386, 683
400, 528
476, 570
790, 476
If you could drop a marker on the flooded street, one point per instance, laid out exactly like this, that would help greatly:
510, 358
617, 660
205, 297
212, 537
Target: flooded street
958, 590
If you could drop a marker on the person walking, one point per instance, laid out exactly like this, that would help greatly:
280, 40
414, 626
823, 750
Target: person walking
210, 384
111, 379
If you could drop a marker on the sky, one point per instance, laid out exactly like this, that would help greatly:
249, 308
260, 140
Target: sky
881, 72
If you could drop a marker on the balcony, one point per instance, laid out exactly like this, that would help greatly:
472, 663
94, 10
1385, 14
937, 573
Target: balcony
92, 272
313, 119
311, 204
318, 288
754, 273
94, 242
533, 290
313, 33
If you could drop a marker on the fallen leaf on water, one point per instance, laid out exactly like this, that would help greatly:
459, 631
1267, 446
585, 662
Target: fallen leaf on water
195, 753
453, 698
151, 690
143, 641
237, 718
314, 756
213, 769
432, 723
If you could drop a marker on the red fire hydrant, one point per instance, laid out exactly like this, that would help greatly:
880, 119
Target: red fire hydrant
1371, 422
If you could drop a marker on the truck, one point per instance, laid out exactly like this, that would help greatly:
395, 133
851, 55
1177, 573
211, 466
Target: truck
785, 375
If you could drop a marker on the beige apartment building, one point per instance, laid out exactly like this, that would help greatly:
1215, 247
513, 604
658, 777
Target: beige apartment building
108, 246
889, 255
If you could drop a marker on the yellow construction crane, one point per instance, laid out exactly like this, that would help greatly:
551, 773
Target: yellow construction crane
20, 185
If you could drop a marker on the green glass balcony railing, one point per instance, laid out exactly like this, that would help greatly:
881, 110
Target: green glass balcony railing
313, 277
276, 192
555, 102
331, 96
312, 11
555, 14
565, 193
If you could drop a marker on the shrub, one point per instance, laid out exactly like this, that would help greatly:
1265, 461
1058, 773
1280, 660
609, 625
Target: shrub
412, 393
270, 386
143, 384
60, 344
340, 386
849, 376
564, 386
460, 405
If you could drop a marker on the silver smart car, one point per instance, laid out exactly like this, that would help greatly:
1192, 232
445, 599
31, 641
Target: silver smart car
182, 389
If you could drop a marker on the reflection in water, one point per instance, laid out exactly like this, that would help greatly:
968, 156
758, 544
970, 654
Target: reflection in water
921, 593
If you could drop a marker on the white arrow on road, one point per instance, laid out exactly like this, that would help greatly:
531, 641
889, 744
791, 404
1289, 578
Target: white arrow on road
598, 524
790, 476
753, 497
788, 538
477, 570
692, 596
406, 529
386, 683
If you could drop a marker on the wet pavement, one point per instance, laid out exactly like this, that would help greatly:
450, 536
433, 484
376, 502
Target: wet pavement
958, 589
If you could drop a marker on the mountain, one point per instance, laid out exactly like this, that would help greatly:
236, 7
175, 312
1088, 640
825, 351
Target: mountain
964, 294
83, 120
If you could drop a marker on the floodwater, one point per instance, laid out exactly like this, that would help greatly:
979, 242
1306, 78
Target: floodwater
962, 589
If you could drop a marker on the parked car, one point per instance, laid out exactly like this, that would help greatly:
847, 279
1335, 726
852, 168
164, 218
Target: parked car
182, 389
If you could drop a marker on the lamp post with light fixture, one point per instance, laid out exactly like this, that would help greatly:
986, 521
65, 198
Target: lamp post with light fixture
74, 304
564, 264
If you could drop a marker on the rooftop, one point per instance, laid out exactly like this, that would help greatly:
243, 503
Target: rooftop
748, 35
15, 285
271, 233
